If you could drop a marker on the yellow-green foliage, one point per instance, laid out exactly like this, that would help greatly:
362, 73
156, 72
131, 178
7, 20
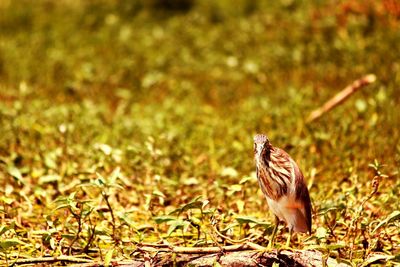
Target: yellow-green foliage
132, 121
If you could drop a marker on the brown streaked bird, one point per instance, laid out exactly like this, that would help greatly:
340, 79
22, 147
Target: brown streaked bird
283, 185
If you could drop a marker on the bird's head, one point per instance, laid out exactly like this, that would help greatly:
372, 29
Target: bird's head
262, 147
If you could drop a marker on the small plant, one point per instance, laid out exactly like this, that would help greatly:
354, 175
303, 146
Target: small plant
80, 211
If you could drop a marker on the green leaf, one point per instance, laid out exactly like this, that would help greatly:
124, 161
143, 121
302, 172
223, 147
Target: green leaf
235, 188
205, 203
4, 228
335, 246
178, 224
240, 205
163, 219
106, 149
158, 193
246, 219
361, 105
395, 215
249, 219
194, 204
102, 231
127, 220
120, 187
108, 257
245, 179
68, 236
397, 258
49, 178
16, 173
100, 181
52, 243
376, 258
8, 243
321, 232
7, 200
229, 171
87, 209
50, 161
191, 181
62, 206
115, 175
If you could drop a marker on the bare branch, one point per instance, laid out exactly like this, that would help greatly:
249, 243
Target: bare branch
247, 254
52, 260
341, 96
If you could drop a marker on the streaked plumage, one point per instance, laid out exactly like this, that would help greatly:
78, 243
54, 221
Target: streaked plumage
283, 185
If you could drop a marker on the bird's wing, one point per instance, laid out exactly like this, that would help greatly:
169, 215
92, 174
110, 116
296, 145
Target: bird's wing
303, 196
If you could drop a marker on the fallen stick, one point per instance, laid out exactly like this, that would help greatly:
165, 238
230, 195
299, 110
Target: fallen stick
246, 254
61, 258
205, 250
341, 96
245, 258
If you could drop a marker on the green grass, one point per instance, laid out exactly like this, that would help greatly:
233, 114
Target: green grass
151, 113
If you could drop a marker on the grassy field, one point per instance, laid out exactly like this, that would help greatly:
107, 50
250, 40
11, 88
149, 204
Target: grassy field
125, 122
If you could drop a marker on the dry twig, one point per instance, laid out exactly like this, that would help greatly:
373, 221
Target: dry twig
52, 260
341, 96
205, 250
237, 255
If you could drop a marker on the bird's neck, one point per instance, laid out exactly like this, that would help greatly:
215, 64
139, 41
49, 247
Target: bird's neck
265, 157
275, 173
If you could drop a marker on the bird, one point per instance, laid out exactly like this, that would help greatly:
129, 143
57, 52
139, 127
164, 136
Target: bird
283, 185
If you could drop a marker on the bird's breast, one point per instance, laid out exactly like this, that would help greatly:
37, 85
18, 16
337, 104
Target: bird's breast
289, 210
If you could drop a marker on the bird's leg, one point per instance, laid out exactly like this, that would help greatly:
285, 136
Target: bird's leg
272, 239
289, 237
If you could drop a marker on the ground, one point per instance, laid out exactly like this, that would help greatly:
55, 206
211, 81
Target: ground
131, 123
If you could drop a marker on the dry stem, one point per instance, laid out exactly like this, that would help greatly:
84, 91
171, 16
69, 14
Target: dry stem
341, 96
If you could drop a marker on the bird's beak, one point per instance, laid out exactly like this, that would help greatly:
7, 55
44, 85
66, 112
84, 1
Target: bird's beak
260, 149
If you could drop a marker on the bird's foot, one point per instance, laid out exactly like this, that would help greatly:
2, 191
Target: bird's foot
285, 248
264, 250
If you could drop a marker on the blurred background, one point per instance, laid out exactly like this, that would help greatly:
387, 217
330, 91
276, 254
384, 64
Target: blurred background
171, 93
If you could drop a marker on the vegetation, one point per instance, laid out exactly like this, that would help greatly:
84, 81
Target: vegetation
131, 122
